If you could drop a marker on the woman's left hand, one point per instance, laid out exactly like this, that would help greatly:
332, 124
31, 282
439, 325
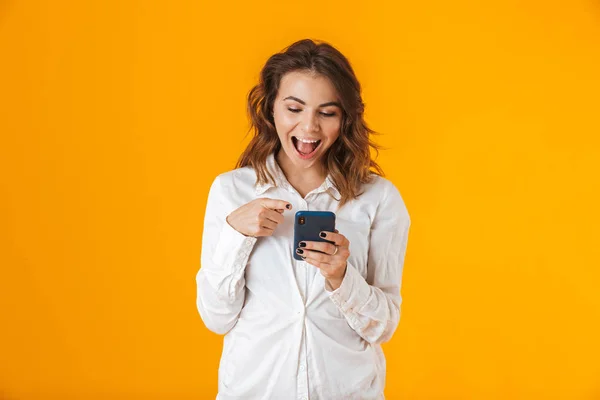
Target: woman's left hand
329, 258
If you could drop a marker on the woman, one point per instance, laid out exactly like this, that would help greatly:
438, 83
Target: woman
307, 329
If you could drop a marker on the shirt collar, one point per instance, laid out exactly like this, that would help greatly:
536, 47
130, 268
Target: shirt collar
281, 180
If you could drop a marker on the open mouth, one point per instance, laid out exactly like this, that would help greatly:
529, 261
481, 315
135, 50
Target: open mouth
306, 148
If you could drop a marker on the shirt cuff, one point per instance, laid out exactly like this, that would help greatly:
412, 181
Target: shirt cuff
352, 294
232, 250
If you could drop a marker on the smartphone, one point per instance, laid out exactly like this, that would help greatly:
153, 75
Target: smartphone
309, 224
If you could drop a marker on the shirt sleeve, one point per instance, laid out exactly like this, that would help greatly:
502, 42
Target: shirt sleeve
372, 305
220, 281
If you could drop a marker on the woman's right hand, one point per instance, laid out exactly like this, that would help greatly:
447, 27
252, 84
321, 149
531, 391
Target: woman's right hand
259, 217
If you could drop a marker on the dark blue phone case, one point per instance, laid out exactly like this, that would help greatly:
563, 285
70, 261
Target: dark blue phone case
315, 222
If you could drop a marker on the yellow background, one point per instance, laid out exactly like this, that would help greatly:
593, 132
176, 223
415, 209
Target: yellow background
115, 116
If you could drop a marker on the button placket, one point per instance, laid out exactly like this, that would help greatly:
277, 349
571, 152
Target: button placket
302, 279
302, 370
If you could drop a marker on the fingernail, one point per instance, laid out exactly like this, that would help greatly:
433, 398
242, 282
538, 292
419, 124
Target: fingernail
299, 251
288, 206
323, 234
302, 244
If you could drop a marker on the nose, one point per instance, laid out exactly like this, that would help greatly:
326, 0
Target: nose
310, 123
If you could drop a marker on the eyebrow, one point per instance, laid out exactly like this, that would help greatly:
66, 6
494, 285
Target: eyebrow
331, 103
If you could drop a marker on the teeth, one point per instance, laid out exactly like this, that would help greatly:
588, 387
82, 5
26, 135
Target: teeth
306, 140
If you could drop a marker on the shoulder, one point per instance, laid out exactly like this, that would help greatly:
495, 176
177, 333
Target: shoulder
234, 185
381, 187
235, 177
386, 195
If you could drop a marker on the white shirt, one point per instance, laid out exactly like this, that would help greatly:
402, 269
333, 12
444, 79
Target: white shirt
287, 334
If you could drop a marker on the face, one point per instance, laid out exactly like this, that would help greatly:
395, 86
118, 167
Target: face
307, 116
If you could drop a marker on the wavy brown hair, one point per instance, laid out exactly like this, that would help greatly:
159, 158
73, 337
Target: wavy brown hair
348, 160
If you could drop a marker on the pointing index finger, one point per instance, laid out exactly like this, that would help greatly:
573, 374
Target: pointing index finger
276, 204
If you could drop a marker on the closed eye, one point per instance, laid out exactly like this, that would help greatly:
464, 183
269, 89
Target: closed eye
296, 110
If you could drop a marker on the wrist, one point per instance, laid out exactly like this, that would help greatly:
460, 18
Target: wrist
336, 282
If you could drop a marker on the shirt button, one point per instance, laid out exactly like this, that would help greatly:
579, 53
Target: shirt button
302, 367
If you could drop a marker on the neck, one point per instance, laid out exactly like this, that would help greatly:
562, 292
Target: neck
302, 179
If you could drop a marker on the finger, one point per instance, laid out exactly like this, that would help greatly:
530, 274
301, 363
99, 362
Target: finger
322, 265
336, 238
275, 204
342, 253
315, 255
325, 247
272, 215
267, 223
